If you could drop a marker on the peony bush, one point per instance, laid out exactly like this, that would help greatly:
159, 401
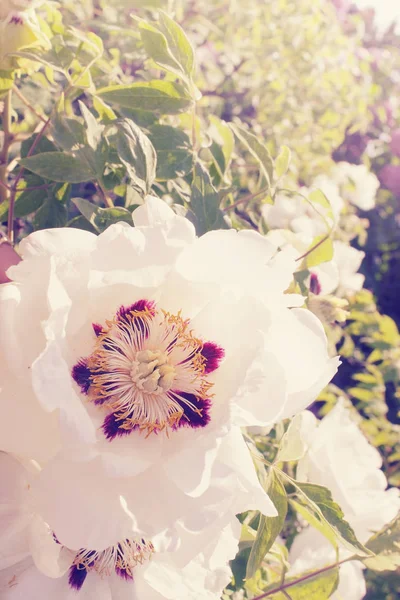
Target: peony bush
194, 371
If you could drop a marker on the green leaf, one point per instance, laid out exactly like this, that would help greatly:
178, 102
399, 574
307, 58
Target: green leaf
166, 43
257, 150
319, 587
282, 162
204, 203
68, 133
269, 527
174, 152
6, 81
43, 145
53, 212
28, 202
80, 222
223, 144
137, 154
386, 546
321, 250
94, 130
318, 197
316, 505
165, 97
105, 112
101, 218
58, 166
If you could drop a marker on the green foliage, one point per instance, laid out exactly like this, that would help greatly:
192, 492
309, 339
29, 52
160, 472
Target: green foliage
320, 586
269, 527
316, 505
165, 97
204, 203
386, 546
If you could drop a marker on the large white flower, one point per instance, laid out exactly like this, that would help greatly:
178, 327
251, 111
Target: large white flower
36, 564
311, 551
341, 458
148, 348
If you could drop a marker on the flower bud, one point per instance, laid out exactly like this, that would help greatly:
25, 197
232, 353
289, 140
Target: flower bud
18, 32
328, 308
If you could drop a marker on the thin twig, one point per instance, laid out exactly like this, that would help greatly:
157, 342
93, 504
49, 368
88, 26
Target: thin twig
7, 141
106, 197
28, 104
18, 179
285, 586
246, 199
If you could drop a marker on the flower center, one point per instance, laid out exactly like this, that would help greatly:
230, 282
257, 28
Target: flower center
120, 559
149, 371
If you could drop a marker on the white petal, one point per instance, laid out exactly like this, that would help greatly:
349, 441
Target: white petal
50, 557
74, 498
62, 241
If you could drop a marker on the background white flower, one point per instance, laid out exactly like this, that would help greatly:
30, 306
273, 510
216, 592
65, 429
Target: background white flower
311, 551
340, 458
358, 184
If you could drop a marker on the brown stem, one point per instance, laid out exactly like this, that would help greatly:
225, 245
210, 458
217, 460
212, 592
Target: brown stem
313, 248
107, 200
246, 199
28, 104
7, 141
18, 179
285, 586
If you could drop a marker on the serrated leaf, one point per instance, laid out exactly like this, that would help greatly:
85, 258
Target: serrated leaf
204, 203
58, 166
101, 218
318, 587
137, 153
386, 546
321, 250
166, 43
269, 527
316, 505
174, 152
257, 150
164, 97
282, 162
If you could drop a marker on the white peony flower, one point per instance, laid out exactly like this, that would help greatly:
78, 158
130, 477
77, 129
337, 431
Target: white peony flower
298, 215
311, 551
358, 183
340, 458
148, 349
36, 565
